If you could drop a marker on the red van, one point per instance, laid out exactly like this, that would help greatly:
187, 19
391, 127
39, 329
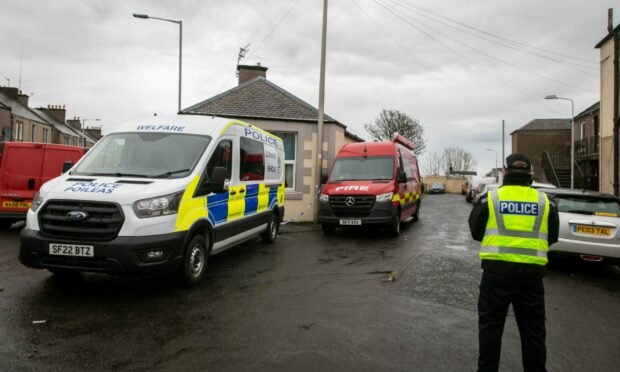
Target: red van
24, 167
372, 184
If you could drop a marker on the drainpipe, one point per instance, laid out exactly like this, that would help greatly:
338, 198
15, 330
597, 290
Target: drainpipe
616, 117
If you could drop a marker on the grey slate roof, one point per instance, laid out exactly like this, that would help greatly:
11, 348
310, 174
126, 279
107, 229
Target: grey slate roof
594, 108
62, 128
258, 98
545, 125
20, 110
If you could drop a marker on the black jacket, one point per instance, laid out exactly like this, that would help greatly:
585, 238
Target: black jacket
478, 222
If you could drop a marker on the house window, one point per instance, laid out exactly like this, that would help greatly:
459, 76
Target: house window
583, 130
19, 130
45, 135
290, 146
65, 140
32, 133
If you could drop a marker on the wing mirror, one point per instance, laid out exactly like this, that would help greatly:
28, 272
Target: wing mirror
218, 182
66, 166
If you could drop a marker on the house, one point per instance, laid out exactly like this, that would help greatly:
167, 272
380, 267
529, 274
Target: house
259, 101
19, 122
609, 106
587, 150
544, 141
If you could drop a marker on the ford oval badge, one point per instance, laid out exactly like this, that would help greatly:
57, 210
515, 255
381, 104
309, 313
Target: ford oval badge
76, 216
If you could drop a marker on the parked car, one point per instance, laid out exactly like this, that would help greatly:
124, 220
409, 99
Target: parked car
589, 225
437, 188
484, 189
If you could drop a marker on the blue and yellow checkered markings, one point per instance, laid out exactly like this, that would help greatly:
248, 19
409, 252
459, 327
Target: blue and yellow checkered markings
217, 204
251, 199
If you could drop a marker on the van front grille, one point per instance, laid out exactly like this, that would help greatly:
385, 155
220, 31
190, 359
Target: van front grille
98, 221
351, 205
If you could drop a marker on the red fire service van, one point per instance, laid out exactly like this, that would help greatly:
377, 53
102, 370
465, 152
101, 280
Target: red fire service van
372, 184
24, 167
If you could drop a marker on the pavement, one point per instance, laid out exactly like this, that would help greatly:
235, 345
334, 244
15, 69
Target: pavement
355, 301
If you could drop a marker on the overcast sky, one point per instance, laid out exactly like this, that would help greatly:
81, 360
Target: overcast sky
426, 58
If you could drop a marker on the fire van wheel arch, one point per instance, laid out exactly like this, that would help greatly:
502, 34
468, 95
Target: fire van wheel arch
394, 228
194, 263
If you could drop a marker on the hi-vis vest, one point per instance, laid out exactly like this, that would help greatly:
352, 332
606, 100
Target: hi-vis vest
517, 227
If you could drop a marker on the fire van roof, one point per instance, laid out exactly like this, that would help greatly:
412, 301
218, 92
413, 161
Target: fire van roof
385, 148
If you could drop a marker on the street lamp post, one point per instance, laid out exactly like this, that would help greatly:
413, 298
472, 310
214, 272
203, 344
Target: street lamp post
83, 127
572, 136
496, 174
180, 23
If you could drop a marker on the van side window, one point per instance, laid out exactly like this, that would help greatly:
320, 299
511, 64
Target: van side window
407, 168
252, 160
222, 157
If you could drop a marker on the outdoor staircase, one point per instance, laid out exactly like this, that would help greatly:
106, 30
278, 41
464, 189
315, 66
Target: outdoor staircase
557, 174
563, 178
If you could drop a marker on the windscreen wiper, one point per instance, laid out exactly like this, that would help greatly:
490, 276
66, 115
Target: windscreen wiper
119, 174
170, 173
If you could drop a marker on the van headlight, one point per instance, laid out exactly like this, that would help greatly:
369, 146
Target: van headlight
159, 206
37, 201
324, 198
385, 197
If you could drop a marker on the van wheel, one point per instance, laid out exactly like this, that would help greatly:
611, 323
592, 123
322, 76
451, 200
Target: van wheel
271, 232
328, 228
416, 215
194, 264
394, 228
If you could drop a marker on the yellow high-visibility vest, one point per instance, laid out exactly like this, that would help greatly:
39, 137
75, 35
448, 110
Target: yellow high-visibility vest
517, 227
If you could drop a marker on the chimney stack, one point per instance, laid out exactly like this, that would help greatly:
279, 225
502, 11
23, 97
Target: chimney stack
247, 72
56, 111
23, 99
610, 20
10, 92
75, 123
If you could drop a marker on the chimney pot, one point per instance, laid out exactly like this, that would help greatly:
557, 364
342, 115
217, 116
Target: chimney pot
610, 20
247, 72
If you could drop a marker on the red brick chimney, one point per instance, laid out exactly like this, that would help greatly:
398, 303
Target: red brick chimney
247, 72
56, 111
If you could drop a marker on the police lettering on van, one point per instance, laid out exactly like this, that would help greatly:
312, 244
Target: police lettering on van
159, 195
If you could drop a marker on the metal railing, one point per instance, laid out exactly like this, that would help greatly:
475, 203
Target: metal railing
548, 164
587, 148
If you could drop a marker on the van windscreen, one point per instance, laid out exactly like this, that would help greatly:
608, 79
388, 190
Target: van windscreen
145, 154
363, 168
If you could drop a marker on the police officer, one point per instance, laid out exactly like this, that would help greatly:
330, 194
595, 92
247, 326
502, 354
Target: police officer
516, 225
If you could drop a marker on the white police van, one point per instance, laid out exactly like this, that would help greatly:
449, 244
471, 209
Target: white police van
159, 195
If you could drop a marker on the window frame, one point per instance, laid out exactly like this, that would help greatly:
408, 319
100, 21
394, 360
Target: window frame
291, 162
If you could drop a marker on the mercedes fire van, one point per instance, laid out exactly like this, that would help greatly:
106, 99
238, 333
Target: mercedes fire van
372, 184
159, 195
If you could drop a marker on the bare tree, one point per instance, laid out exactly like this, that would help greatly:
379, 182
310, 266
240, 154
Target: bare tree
458, 159
432, 164
394, 121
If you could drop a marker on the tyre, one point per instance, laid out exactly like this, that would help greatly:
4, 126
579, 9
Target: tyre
394, 228
328, 228
416, 215
271, 232
194, 264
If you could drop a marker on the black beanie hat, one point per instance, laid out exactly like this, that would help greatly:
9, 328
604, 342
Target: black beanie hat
518, 162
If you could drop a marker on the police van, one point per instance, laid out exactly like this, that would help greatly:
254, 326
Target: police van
159, 195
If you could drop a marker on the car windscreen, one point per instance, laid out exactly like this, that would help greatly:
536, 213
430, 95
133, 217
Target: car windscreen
145, 154
363, 168
587, 205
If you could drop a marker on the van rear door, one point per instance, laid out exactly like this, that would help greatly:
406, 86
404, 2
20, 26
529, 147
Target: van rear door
20, 175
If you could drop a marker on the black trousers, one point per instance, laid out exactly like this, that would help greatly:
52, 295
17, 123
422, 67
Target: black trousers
527, 296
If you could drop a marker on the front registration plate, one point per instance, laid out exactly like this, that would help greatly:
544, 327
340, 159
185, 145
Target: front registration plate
592, 230
58, 249
16, 204
351, 222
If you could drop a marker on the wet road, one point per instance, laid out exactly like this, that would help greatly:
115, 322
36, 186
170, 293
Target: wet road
306, 303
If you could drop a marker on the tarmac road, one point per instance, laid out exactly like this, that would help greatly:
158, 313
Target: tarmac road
306, 303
